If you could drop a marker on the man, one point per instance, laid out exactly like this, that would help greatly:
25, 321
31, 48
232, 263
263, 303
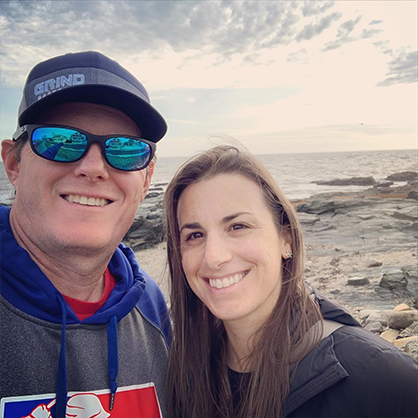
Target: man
83, 330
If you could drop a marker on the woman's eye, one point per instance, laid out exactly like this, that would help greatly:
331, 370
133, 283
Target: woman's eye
236, 227
193, 236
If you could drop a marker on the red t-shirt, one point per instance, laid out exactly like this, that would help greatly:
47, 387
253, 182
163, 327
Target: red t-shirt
85, 309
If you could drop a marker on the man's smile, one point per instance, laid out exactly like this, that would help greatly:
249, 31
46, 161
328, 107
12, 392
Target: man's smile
86, 200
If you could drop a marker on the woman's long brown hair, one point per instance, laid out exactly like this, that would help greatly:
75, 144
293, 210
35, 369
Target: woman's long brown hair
198, 382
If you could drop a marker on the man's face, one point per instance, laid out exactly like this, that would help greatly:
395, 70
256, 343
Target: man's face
85, 205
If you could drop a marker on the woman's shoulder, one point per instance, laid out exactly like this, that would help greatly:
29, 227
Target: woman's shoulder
379, 374
355, 345
356, 373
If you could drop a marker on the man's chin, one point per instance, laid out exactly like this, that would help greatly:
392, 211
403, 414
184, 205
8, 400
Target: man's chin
87, 245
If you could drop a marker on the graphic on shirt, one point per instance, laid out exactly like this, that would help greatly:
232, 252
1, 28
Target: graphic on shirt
78, 406
138, 401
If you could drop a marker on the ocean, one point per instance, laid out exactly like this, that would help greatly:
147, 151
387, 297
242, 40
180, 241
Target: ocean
295, 173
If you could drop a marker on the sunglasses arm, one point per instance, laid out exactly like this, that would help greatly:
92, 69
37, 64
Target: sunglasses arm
19, 133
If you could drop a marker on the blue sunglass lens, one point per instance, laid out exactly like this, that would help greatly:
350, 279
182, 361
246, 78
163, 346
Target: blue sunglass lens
59, 144
127, 153
68, 145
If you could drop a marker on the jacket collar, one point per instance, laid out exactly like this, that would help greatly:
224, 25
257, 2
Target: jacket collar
318, 371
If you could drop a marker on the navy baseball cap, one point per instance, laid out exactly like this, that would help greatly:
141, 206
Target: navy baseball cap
89, 77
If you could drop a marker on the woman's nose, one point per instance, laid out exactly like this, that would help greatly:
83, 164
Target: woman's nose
217, 251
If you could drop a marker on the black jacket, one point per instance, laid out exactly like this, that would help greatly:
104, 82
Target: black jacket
353, 373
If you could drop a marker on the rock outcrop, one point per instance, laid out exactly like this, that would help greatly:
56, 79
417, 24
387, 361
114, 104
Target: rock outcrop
404, 176
147, 229
353, 181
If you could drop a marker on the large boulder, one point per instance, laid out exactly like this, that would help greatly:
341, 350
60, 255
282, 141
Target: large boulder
402, 319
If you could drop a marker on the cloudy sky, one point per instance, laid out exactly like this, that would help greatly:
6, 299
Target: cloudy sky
278, 76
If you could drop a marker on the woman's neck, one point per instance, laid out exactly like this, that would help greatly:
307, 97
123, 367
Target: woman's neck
241, 342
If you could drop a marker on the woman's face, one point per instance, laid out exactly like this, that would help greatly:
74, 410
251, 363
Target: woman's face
231, 249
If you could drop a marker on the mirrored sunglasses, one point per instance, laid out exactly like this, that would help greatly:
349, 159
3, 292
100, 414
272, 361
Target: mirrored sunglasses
64, 144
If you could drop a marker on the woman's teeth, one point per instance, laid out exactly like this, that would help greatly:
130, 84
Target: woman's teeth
226, 281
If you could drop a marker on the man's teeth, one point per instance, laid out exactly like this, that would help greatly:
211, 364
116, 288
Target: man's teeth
226, 281
84, 200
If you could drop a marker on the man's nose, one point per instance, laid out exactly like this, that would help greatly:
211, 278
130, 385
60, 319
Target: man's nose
93, 164
217, 251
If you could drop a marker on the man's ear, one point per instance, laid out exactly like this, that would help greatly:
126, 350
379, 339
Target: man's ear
148, 176
11, 164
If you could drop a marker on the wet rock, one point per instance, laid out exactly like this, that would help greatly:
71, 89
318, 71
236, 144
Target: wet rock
358, 281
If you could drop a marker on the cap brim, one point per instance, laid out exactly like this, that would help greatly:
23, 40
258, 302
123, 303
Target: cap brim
152, 125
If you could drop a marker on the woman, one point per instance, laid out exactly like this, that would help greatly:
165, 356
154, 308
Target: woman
251, 339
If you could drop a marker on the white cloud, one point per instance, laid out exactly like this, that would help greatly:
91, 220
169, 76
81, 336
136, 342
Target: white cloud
241, 68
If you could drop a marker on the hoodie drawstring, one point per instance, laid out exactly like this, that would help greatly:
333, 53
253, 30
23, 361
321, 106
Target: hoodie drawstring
112, 357
112, 362
61, 390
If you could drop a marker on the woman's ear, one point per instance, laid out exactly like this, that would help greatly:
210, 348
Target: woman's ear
11, 164
286, 237
287, 251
